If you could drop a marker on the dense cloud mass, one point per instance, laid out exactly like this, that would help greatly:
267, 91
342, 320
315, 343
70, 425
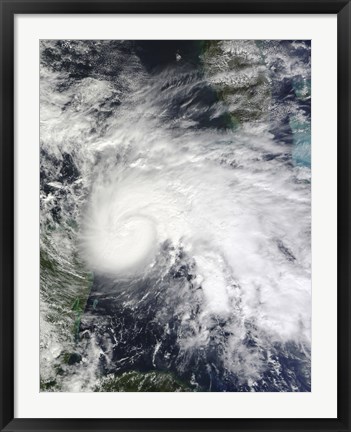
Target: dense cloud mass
175, 216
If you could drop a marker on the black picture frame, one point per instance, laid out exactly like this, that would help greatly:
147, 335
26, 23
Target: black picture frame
8, 10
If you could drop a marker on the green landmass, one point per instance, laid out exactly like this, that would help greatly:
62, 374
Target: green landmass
136, 381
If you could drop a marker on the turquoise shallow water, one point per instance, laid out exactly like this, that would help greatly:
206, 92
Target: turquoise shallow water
301, 153
301, 127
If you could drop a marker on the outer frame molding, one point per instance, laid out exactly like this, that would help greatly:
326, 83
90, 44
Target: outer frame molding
8, 9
